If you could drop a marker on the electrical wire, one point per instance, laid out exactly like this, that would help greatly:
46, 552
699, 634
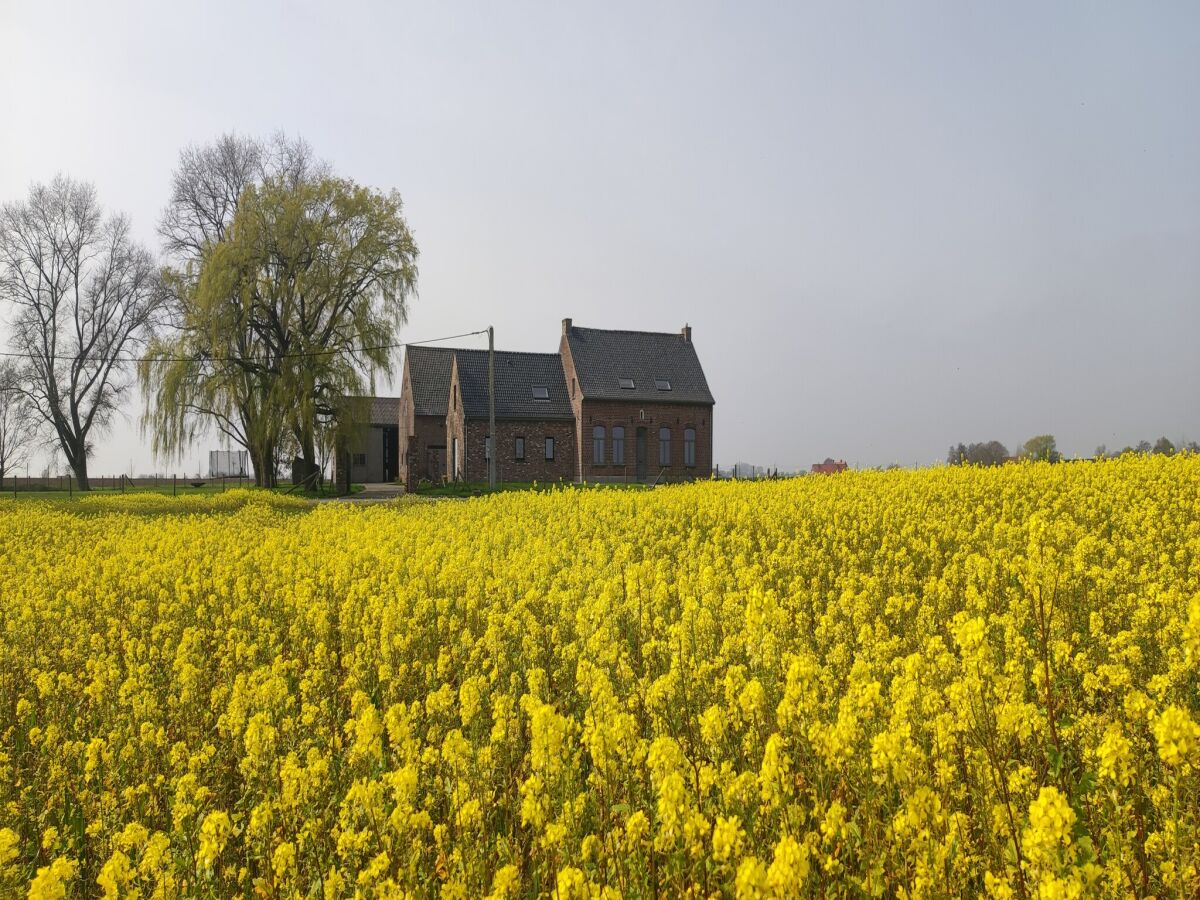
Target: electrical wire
125, 358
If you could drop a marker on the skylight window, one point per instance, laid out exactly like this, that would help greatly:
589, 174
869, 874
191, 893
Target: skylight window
662, 384
626, 383
540, 392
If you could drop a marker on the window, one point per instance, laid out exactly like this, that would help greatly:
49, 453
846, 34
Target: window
689, 446
618, 445
662, 384
626, 384
664, 446
519, 448
549, 448
540, 392
574, 387
360, 459
598, 445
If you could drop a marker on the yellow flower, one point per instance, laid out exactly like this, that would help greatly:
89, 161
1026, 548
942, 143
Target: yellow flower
9, 847
1177, 736
751, 879
115, 875
53, 881
283, 861
789, 868
214, 832
505, 883
1050, 821
726, 838
637, 826
1113, 756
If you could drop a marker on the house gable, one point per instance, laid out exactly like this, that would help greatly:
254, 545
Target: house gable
638, 366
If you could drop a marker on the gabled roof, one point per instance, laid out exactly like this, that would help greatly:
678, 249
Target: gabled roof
604, 359
375, 410
429, 374
385, 411
517, 374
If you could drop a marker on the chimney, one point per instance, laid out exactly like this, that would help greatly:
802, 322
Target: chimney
687, 334
566, 326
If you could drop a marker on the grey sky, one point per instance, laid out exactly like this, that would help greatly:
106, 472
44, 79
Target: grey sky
891, 226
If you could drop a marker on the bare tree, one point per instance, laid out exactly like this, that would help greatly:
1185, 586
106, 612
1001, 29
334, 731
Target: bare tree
85, 296
18, 422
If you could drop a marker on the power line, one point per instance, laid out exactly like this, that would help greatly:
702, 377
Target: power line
125, 358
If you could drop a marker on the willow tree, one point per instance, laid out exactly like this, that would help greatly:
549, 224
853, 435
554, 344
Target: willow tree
326, 267
293, 305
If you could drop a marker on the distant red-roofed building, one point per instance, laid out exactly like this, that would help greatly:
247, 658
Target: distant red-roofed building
829, 467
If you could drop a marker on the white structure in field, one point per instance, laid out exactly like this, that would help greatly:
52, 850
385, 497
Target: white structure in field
228, 463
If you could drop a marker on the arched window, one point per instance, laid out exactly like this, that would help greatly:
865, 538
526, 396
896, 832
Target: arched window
664, 446
618, 445
689, 446
598, 445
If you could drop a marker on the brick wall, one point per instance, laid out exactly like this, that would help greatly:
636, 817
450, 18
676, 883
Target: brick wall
632, 415
652, 417
427, 431
407, 429
535, 466
472, 437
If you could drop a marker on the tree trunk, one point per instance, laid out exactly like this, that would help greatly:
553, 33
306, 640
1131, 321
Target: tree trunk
263, 461
79, 466
308, 454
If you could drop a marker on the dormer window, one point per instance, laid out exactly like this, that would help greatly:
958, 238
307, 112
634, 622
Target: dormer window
540, 392
662, 384
626, 384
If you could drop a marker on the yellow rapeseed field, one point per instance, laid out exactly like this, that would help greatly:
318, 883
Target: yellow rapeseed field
944, 683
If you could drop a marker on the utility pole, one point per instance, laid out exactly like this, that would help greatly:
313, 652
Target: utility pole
491, 409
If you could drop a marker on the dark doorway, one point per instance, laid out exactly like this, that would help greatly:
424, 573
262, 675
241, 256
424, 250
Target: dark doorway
641, 454
391, 452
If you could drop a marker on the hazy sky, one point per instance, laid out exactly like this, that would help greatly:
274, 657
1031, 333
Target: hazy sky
891, 226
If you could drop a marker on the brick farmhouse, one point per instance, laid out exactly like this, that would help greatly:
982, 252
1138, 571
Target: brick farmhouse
608, 406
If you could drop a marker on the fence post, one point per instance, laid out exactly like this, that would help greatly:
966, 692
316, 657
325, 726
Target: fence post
71, 486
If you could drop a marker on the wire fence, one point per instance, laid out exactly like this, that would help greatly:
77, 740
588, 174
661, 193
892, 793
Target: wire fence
161, 483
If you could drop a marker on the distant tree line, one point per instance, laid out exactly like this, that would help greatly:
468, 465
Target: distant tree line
1044, 448
993, 453
1162, 447
281, 290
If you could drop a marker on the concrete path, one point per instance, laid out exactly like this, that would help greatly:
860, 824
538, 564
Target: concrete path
374, 493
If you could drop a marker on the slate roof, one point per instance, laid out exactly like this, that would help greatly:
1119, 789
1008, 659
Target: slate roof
602, 358
516, 376
378, 410
429, 374
385, 411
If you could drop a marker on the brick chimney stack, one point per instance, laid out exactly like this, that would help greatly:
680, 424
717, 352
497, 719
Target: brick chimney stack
687, 334
566, 326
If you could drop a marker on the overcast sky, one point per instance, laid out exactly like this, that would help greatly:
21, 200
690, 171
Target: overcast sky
891, 226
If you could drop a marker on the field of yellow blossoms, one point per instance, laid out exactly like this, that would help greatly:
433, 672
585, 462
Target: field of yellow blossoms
942, 683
